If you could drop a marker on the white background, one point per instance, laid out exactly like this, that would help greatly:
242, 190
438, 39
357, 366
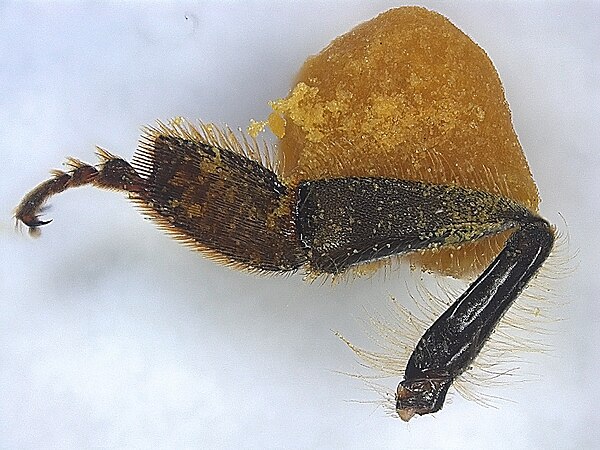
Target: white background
111, 334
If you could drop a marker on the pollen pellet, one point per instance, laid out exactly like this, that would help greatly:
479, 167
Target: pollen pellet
407, 95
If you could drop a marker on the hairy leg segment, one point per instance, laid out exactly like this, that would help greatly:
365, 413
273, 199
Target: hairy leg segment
241, 213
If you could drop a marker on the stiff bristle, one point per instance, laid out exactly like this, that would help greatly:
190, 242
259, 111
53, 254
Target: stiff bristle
212, 135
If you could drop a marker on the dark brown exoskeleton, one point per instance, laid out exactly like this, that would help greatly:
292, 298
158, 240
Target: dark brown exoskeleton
226, 203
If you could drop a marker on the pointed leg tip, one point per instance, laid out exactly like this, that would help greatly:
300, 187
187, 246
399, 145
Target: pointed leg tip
32, 222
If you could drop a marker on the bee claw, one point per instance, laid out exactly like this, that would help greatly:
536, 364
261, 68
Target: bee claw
38, 223
33, 222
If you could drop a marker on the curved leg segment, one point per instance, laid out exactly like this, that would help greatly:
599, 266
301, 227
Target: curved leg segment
112, 173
